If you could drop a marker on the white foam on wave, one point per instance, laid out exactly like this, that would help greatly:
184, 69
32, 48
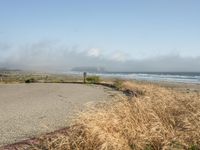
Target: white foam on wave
149, 77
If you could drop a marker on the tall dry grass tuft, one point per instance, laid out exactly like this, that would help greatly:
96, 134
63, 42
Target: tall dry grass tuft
158, 118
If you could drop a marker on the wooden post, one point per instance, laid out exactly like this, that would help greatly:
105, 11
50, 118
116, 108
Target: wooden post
84, 77
1, 77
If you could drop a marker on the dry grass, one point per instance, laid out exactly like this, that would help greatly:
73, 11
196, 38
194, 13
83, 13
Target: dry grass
158, 118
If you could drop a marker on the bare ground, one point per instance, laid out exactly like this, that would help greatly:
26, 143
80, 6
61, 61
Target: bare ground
28, 110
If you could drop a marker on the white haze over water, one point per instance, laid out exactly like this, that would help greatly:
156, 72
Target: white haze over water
54, 56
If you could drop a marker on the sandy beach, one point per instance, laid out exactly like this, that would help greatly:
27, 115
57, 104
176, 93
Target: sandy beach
29, 110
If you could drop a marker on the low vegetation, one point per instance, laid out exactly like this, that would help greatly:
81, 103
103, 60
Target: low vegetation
93, 79
31, 80
118, 84
28, 77
158, 118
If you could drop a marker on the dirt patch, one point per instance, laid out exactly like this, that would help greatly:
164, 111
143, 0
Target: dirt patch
29, 110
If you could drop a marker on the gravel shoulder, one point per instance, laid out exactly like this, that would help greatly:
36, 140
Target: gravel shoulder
28, 110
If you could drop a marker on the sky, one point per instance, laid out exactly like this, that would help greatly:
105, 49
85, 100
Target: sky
119, 35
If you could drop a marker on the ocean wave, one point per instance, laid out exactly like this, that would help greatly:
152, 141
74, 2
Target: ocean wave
169, 77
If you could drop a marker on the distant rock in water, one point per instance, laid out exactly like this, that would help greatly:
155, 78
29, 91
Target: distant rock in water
89, 69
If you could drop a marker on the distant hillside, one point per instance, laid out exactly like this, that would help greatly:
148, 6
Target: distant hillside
89, 69
6, 69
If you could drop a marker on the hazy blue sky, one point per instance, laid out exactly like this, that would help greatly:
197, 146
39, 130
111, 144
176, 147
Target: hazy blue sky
97, 32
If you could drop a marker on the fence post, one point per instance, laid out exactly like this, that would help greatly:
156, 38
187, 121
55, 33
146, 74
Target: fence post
84, 77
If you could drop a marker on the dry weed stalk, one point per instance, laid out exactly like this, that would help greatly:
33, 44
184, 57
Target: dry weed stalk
158, 118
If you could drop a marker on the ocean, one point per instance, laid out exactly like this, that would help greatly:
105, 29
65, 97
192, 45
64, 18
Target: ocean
179, 77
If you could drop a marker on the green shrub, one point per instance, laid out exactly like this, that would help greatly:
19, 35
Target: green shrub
93, 79
194, 147
118, 84
31, 80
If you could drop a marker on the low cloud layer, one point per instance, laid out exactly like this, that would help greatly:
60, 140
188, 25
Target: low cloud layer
51, 56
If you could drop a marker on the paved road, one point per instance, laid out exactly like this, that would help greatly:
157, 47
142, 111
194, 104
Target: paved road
27, 110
